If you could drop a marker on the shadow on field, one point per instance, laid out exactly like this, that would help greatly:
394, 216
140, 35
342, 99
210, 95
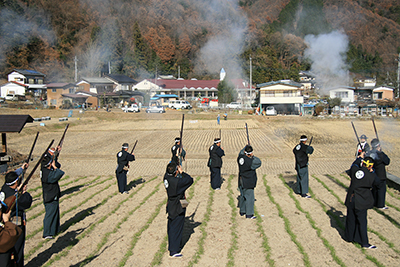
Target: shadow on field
189, 226
58, 246
134, 183
71, 190
78, 217
290, 180
338, 220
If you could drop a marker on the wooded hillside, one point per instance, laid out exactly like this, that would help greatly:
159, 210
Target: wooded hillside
196, 38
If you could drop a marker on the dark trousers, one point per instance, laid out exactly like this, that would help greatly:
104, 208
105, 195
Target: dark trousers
19, 247
379, 193
302, 180
121, 178
5, 259
51, 221
215, 175
356, 225
246, 201
175, 229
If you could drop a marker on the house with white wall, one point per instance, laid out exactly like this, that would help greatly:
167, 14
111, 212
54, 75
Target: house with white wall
346, 93
23, 81
284, 95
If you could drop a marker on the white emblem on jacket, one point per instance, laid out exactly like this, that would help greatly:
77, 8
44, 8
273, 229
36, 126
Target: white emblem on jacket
298, 147
120, 154
241, 161
166, 184
211, 148
359, 174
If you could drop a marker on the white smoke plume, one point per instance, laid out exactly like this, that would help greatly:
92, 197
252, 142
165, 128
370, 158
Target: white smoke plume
327, 53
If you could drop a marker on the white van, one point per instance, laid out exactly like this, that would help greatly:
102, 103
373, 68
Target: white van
179, 104
271, 111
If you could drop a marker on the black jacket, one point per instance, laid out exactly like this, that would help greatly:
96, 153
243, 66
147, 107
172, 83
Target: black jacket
361, 184
50, 186
123, 158
381, 161
216, 154
247, 174
176, 187
301, 152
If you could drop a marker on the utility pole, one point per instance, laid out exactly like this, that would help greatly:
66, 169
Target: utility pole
398, 76
109, 67
250, 81
179, 72
76, 69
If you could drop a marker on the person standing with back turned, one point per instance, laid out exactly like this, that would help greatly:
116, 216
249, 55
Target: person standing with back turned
301, 152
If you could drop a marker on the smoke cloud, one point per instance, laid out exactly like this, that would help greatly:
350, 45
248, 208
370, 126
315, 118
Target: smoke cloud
16, 30
327, 53
223, 48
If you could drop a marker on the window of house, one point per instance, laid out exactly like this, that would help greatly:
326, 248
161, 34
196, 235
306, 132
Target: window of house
54, 90
342, 94
53, 102
81, 87
378, 95
31, 81
40, 81
72, 90
270, 93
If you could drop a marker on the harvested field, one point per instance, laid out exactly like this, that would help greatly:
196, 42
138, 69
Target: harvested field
101, 227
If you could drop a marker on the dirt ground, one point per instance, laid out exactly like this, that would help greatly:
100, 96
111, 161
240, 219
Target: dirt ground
102, 227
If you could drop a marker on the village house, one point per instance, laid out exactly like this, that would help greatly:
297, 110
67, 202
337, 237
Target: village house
383, 93
345, 93
122, 82
284, 95
56, 92
20, 82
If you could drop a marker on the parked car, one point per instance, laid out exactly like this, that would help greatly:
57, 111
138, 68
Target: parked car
234, 105
13, 97
155, 109
270, 111
1, 99
182, 104
133, 108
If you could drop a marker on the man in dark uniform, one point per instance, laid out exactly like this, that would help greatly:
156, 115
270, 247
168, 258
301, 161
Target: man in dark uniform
178, 153
123, 158
358, 200
24, 202
215, 163
9, 234
301, 152
381, 161
247, 181
176, 182
363, 146
50, 174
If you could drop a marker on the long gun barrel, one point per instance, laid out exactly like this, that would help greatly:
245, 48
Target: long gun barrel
181, 135
311, 140
376, 132
30, 154
358, 139
247, 133
133, 148
33, 146
57, 152
11, 200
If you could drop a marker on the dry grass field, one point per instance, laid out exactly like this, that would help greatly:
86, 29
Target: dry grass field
102, 227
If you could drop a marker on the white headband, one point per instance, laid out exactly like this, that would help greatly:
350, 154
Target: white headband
218, 141
13, 182
304, 139
51, 150
248, 153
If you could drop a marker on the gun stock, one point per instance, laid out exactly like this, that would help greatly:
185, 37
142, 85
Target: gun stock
11, 200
